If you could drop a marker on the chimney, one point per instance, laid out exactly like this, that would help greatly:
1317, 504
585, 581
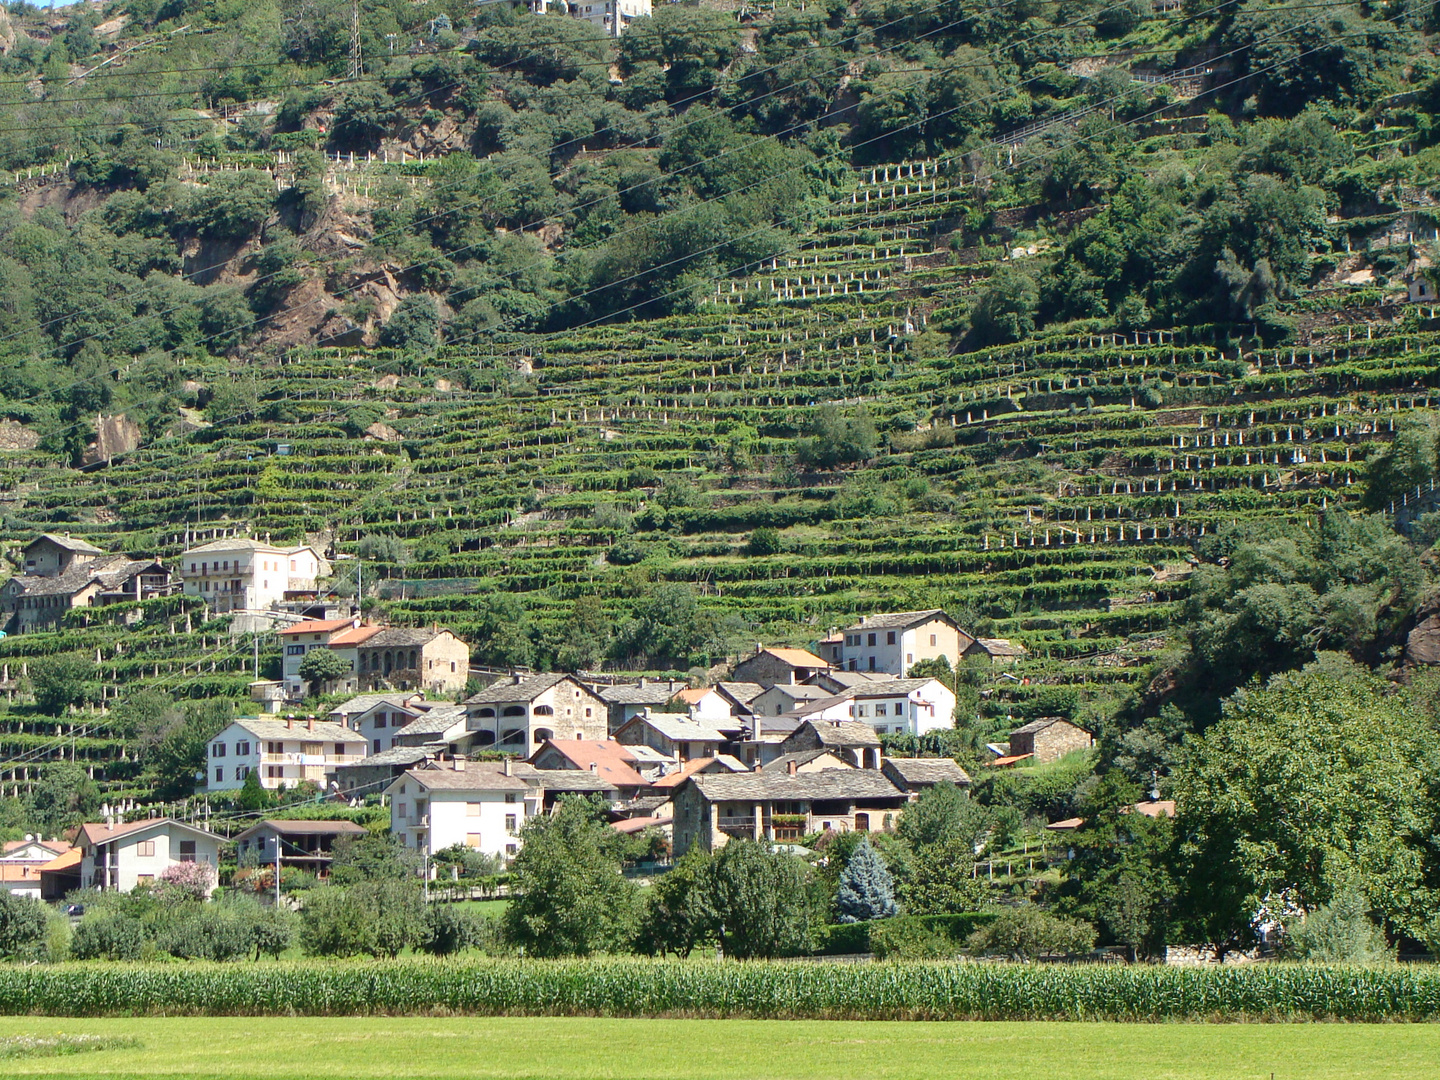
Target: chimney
515, 679
505, 766
644, 680
310, 724
289, 723
594, 768
459, 763
791, 767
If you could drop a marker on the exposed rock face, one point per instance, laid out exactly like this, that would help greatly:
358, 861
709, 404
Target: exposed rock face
1422, 646
114, 435
382, 432
16, 436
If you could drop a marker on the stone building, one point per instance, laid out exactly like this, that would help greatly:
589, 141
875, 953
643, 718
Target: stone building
1048, 739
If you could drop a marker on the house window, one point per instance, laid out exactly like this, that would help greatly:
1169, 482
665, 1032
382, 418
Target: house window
187, 850
863, 710
294, 650
890, 638
339, 749
219, 749
145, 849
274, 747
510, 796
872, 639
932, 639
242, 771
275, 772
400, 809
879, 710
510, 849
380, 720
219, 776
474, 840
377, 746
509, 823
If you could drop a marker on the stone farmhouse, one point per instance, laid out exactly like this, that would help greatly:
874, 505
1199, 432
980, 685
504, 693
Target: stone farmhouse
1046, 740
60, 574
519, 713
896, 641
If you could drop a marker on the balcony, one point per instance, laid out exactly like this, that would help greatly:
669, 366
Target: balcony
737, 826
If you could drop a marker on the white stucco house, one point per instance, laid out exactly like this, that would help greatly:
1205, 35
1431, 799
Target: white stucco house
895, 641
240, 574
281, 751
893, 706
126, 854
479, 804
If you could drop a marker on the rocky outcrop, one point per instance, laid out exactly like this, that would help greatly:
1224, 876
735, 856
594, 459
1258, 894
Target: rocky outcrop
114, 435
1422, 645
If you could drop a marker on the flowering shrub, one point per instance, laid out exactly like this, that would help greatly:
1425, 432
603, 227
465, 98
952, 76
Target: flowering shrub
194, 879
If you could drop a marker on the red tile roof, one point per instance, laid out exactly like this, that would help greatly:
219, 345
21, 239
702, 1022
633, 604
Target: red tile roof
317, 626
611, 760
356, 636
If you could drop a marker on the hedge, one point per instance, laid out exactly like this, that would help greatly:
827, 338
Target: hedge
779, 990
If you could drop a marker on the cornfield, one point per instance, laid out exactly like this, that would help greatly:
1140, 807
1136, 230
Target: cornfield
636, 988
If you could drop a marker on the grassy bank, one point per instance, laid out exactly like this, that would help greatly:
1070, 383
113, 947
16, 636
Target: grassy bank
636, 988
282, 1048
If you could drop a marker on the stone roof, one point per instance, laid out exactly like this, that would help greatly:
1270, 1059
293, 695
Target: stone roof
897, 620
843, 734
741, 692
527, 689
470, 776
363, 703
242, 543
853, 679
393, 637
396, 755
435, 721
563, 779
1040, 725
652, 693
323, 731
1001, 647
69, 543
825, 784
922, 772
677, 727
109, 572
888, 688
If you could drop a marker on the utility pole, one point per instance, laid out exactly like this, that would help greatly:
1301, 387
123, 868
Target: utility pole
277, 871
357, 64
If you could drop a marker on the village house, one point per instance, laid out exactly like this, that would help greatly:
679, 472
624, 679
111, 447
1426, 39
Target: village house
610, 17
240, 574
556, 784
438, 725
849, 740
433, 660
480, 805
760, 743
839, 680
20, 863
374, 772
519, 713
896, 641
721, 763
301, 638
351, 708
304, 845
604, 758
285, 752
380, 724
996, 650
346, 645
674, 736
917, 775
770, 666
893, 706
785, 698
123, 855
60, 574
705, 705
626, 699
711, 809
739, 696
831, 648
1045, 740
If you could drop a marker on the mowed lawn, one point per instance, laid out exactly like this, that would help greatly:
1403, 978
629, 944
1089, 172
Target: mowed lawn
587, 1049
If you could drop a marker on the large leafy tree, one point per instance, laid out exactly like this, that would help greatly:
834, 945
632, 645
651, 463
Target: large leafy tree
570, 896
1319, 781
757, 899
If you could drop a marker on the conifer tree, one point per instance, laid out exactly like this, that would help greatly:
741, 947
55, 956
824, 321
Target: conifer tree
866, 889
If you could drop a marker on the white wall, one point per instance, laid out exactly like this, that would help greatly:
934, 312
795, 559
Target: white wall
476, 819
131, 866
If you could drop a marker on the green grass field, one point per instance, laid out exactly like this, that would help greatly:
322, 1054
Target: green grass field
584, 1049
